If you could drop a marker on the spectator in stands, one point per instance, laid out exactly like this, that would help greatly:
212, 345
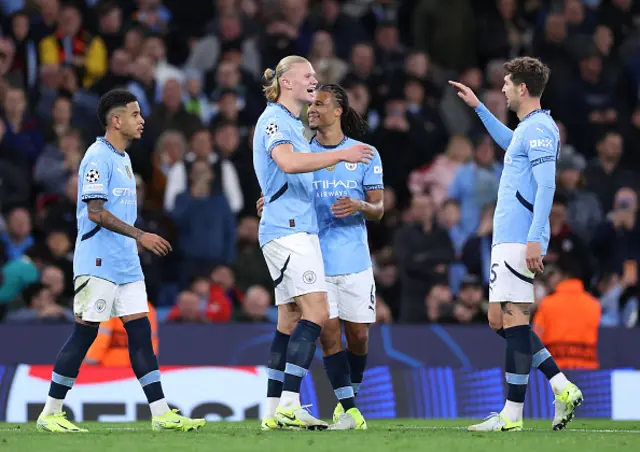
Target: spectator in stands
423, 254
620, 306
207, 53
255, 306
476, 254
143, 83
73, 44
387, 283
17, 274
617, 242
22, 139
133, 41
343, 28
224, 175
111, 347
564, 243
457, 119
567, 321
196, 102
61, 115
329, 68
476, 184
383, 312
61, 214
168, 157
15, 188
188, 309
26, 60
249, 266
40, 307
469, 306
436, 177
58, 162
170, 114
389, 50
437, 306
18, 237
226, 140
60, 253
110, 25
604, 174
53, 278
205, 222
118, 74
449, 220
584, 213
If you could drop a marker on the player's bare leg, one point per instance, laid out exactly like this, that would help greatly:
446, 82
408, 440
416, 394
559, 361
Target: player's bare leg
288, 316
302, 345
145, 366
567, 395
65, 370
336, 364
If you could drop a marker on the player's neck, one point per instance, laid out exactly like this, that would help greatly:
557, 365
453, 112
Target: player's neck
331, 136
527, 107
117, 141
292, 105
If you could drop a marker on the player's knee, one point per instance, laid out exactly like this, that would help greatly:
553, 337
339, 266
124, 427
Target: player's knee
357, 338
495, 316
315, 307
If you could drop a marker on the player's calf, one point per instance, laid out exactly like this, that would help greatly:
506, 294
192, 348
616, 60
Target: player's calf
67, 366
518, 358
357, 349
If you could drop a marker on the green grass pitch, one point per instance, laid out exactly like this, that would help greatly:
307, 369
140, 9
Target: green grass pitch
389, 435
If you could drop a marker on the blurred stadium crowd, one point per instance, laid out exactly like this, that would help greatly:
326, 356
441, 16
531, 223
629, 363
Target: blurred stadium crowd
195, 67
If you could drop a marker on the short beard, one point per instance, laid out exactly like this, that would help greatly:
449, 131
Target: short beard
514, 106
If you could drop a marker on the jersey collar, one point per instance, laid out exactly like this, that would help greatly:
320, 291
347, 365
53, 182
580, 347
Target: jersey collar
105, 141
278, 104
535, 112
331, 146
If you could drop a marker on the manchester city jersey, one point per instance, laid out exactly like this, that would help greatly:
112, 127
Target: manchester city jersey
106, 174
288, 198
344, 241
527, 185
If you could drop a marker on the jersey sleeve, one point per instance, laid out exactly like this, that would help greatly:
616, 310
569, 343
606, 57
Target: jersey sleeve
372, 179
542, 147
276, 131
95, 179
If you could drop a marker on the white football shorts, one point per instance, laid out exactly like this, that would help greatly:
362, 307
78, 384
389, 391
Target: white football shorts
98, 300
352, 297
295, 265
510, 280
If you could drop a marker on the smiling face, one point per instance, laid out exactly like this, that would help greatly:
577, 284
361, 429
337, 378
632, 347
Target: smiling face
300, 80
323, 112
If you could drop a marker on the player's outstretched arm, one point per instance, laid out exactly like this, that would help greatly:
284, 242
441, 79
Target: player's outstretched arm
306, 162
500, 133
101, 216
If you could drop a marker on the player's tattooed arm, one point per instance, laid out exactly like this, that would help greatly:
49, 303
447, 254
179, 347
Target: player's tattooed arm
101, 216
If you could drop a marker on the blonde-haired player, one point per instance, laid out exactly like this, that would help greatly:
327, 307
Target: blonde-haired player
288, 234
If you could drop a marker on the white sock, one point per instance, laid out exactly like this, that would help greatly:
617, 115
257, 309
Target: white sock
513, 411
288, 399
159, 407
272, 404
559, 383
52, 406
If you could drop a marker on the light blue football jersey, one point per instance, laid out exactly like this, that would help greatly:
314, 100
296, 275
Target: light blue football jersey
288, 198
344, 241
527, 185
106, 174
